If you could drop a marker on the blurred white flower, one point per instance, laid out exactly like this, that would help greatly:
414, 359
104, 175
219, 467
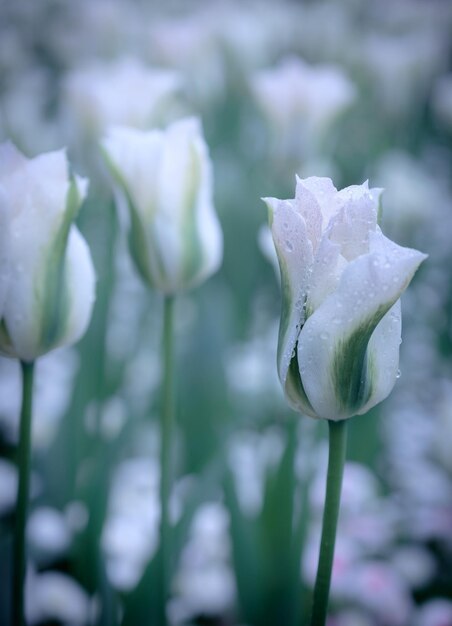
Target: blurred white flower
250, 366
122, 93
266, 245
77, 516
301, 102
413, 201
443, 434
113, 417
50, 293
436, 612
48, 533
368, 520
415, 563
55, 596
411, 438
175, 236
379, 588
130, 534
251, 458
351, 617
360, 488
204, 583
54, 377
346, 556
401, 67
189, 44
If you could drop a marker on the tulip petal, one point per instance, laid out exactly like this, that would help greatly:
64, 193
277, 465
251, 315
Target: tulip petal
80, 282
55, 299
5, 250
383, 353
317, 197
176, 224
294, 251
326, 272
129, 155
175, 236
356, 219
337, 368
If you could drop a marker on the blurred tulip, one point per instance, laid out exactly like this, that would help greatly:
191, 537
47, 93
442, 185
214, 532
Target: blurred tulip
175, 237
126, 92
50, 282
301, 102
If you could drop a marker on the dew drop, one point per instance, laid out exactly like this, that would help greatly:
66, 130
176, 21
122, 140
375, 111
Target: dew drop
324, 335
399, 373
289, 245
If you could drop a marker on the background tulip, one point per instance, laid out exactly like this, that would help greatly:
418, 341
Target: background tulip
175, 237
4, 251
339, 338
50, 290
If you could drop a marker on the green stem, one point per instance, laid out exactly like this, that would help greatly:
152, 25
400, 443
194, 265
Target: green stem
165, 450
336, 460
24, 454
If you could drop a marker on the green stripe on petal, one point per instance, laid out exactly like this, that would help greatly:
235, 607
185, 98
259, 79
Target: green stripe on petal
294, 252
287, 306
352, 366
140, 233
294, 389
55, 301
192, 260
338, 358
6, 345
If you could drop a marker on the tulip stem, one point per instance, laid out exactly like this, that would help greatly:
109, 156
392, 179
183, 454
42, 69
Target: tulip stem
336, 461
24, 454
165, 449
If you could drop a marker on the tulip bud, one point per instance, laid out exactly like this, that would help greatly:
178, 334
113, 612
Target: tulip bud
94, 95
49, 289
340, 328
175, 236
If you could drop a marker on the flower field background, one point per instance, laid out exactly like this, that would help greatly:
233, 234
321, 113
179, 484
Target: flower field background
353, 90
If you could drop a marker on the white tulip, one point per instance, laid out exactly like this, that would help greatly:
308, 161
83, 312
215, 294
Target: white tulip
125, 92
301, 101
5, 254
49, 292
175, 236
340, 328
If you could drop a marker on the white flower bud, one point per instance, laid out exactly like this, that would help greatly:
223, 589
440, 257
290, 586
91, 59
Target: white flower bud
46, 272
175, 236
339, 338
